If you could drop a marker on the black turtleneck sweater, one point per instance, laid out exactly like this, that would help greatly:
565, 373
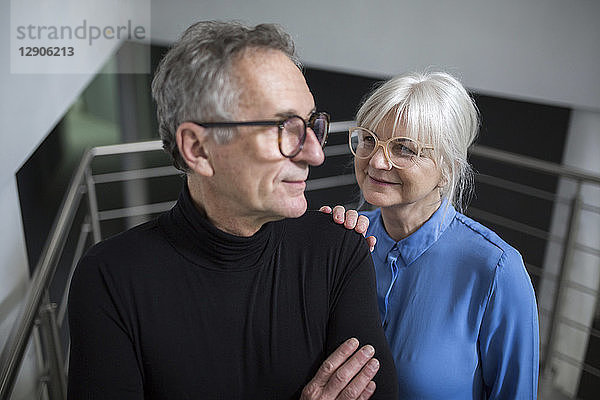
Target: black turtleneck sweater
177, 309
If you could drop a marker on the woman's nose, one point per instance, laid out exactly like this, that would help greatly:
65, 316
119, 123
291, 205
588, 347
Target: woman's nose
379, 160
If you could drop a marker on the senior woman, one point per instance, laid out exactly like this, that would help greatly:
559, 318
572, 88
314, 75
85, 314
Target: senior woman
456, 302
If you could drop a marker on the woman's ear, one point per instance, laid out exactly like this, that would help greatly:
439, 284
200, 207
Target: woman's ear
443, 181
193, 142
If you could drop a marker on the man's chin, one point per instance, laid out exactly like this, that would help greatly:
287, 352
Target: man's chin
296, 207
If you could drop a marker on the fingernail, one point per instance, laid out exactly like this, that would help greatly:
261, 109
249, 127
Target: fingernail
352, 342
373, 364
368, 350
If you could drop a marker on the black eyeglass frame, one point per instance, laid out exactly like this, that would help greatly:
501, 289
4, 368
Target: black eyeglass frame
280, 124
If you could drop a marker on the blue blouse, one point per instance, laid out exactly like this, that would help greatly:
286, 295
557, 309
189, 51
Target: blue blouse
458, 309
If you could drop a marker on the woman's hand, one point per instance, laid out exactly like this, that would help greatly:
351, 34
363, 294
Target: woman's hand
351, 220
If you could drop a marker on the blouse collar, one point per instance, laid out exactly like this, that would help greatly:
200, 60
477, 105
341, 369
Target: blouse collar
412, 246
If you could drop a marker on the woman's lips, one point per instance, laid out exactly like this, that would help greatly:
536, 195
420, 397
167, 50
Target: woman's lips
379, 181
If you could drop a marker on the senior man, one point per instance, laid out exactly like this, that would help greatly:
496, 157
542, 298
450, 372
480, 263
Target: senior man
235, 292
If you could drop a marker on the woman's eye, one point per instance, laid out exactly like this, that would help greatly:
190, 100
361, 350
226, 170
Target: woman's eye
368, 140
400, 150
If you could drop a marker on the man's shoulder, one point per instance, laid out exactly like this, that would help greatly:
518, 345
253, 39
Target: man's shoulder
317, 233
131, 242
318, 226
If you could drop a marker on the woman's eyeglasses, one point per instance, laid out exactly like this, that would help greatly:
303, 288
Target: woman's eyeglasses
401, 152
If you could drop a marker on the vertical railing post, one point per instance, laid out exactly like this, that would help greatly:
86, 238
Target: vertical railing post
93, 205
57, 381
565, 266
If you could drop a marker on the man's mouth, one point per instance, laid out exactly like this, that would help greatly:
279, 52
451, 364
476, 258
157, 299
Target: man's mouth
295, 183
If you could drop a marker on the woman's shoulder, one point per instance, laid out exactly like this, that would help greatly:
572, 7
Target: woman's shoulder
484, 241
371, 213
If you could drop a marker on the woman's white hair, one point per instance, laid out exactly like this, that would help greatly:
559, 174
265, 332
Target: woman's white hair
435, 109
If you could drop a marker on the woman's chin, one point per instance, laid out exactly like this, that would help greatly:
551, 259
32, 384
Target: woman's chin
377, 199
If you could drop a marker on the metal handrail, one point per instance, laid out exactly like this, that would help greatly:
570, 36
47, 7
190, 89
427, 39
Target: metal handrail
534, 164
14, 349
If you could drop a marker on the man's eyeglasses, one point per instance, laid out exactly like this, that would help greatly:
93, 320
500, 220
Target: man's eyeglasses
401, 152
292, 130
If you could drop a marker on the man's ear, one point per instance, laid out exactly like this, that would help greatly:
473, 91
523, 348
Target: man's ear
193, 141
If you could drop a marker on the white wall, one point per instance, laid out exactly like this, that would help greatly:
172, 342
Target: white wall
543, 50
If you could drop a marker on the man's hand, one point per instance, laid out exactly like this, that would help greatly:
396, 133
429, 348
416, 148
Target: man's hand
345, 375
351, 220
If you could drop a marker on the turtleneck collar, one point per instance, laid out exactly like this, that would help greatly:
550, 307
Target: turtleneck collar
198, 240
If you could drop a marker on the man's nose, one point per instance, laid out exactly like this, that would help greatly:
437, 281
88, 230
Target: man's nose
379, 159
312, 151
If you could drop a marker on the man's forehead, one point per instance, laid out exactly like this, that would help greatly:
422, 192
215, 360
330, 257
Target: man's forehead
270, 83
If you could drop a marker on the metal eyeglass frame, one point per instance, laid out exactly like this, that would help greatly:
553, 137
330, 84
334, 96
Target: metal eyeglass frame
280, 124
384, 144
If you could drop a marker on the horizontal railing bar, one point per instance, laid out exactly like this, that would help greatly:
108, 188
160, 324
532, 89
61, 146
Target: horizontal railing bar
572, 284
570, 360
524, 228
580, 288
568, 283
142, 173
124, 148
587, 249
509, 223
518, 187
336, 150
330, 182
135, 210
341, 126
573, 324
534, 164
589, 207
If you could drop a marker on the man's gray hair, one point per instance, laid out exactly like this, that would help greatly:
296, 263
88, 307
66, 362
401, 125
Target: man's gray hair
435, 109
194, 80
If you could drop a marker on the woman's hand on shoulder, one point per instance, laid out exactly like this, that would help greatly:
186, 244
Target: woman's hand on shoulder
351, 220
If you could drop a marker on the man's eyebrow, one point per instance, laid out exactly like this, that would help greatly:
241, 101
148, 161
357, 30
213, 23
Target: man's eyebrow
286, 114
